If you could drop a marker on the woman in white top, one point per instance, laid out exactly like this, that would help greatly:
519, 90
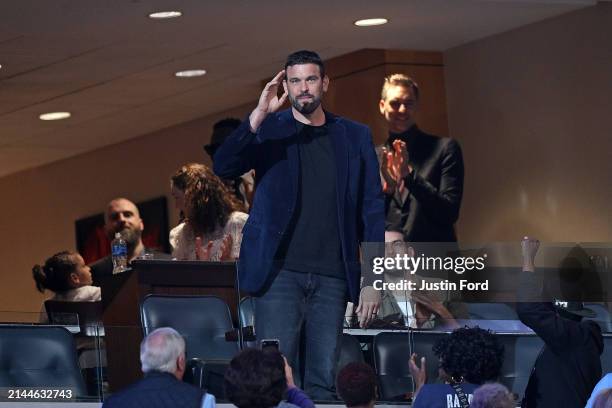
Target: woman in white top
213, 217
66, 275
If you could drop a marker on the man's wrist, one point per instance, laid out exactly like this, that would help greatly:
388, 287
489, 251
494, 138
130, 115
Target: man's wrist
255, 119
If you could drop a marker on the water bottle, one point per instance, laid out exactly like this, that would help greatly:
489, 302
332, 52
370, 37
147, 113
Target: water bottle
119, 254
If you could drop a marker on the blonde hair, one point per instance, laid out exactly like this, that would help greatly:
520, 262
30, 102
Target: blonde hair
399, 80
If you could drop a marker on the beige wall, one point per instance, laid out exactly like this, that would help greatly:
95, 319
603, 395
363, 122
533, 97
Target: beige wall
532, 109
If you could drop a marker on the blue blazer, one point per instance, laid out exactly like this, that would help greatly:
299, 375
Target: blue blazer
273, 153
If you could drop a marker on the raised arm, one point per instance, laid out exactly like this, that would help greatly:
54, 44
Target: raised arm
541, 316
237, 154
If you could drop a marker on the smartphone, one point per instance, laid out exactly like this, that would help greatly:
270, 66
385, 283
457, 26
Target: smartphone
267, 344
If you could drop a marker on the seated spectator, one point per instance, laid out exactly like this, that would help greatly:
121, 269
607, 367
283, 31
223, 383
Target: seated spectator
603, 384
356, 385
122, 216
493, 395
468, 357
67, 276
262, 379
569, 366
162, 357
603, 399
212, 227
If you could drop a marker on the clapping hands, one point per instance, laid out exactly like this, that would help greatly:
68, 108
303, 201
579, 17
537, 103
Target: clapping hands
205, 252
395, 166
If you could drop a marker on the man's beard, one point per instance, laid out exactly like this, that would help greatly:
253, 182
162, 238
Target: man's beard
306, 108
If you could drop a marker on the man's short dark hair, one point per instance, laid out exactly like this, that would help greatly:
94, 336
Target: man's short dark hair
305, 57
356, 384
256, 379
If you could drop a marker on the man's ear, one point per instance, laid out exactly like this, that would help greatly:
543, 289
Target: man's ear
180, 367
381, 106
325, 83
180, 362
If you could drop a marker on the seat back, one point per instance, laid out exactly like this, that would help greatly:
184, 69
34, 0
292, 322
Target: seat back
246, 314
247, 311
201, 320
520, 354
39, 356
86, 315
392, 350
350, 351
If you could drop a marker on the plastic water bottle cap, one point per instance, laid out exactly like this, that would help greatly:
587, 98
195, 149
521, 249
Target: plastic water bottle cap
117, 235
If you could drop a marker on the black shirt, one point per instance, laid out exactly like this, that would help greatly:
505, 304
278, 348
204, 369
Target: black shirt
312, 242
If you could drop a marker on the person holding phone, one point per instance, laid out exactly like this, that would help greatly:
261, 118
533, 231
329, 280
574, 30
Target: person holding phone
318, 196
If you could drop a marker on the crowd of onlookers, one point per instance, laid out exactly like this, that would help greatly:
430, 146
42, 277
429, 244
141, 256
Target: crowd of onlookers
469, 361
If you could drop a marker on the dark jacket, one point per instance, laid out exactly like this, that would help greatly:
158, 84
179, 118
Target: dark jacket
435, 188
569, 366
157, 390
273, 153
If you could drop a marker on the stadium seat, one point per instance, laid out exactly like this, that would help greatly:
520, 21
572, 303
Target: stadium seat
39, 356
203, 322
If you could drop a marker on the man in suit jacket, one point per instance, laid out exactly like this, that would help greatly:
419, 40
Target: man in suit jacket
318, 196
162, 355
422, 174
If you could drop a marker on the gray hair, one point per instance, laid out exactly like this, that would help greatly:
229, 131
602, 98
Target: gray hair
160, 350
492, 395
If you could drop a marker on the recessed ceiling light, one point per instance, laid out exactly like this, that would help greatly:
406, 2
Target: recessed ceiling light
165, 14
190, 73
371, 22
54, 116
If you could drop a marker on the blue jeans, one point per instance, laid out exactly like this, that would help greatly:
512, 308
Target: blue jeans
317, 303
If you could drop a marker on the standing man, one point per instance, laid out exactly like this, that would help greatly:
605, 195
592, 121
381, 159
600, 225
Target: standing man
318, 196
422, 174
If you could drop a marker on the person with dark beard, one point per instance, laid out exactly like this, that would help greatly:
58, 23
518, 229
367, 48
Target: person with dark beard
121, 216
318, 196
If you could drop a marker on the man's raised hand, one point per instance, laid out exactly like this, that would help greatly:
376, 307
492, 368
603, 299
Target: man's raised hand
529, 249
269, 102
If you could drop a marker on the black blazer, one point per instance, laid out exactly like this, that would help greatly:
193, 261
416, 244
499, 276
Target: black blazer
273, 153
435, 188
